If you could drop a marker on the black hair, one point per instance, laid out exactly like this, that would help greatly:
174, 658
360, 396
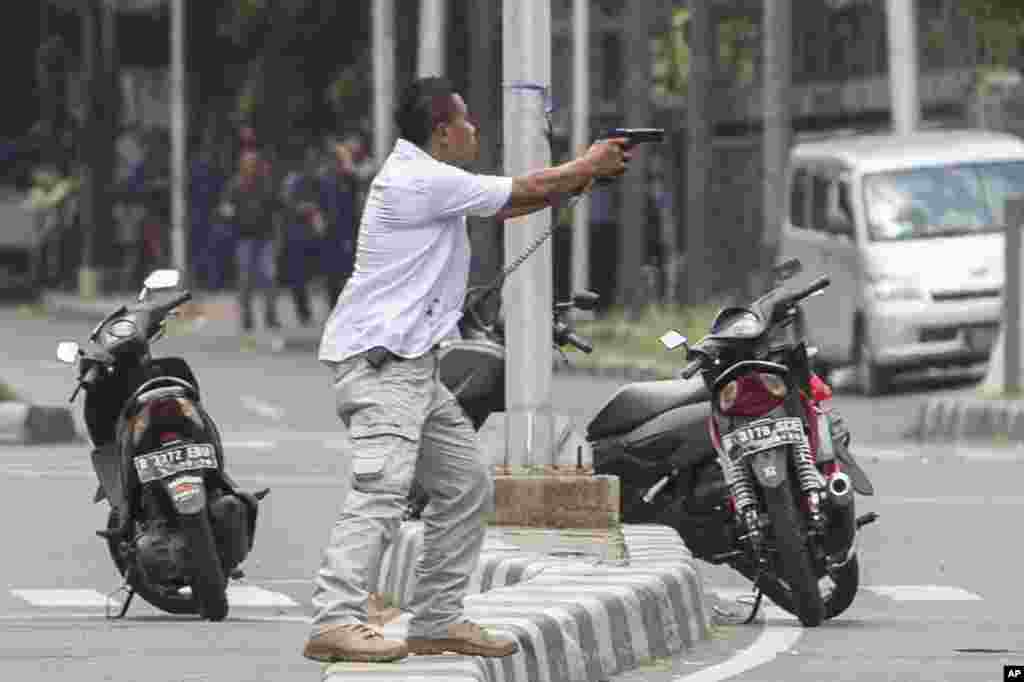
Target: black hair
425, 104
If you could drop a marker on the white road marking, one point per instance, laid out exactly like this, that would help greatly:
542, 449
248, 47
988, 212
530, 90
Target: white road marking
895, 592
262, 408
250, 444
923, 593
985, 500
256, 597
242, 596
64, 598
734, 593
232, 618
773, 640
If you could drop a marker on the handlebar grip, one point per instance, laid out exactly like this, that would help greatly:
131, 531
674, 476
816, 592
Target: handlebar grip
185, 297
583, 344
814, 287
691, 369
165, 308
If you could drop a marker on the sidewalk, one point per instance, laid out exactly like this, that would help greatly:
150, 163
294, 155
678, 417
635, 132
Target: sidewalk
212, 315
215, 315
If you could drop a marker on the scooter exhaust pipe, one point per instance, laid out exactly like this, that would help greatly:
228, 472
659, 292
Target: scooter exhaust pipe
840, 490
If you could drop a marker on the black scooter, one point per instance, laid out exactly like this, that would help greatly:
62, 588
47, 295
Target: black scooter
178, 525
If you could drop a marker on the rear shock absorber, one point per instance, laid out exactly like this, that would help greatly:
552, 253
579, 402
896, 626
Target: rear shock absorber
811, 481
807, 472
741, 485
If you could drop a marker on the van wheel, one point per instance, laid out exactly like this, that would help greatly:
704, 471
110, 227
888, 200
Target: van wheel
871, 378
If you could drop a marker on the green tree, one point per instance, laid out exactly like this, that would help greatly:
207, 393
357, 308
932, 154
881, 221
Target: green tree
1000, 29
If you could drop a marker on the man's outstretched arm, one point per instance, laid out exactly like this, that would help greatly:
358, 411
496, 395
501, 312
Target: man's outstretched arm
535, 191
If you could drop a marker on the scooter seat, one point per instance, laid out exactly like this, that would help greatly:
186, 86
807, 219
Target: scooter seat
636, 403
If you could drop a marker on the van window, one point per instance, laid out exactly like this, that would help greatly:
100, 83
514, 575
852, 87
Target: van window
845, 202
944, 201
798, 199
819, 202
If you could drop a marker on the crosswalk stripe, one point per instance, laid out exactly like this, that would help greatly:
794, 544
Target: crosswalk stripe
923, 593
63, 598
242, 596
894, 592
250, 444
252, 596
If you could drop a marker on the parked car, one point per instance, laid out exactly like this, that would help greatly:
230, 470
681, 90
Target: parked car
910, 229
17, 241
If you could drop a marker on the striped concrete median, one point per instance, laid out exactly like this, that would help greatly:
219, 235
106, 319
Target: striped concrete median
964, 418
576, 620
29, 424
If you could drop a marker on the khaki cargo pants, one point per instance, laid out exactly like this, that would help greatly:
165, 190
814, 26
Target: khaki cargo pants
402, 423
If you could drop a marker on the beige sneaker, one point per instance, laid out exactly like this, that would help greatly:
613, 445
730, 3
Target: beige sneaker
353, 642
465, 638
378, 611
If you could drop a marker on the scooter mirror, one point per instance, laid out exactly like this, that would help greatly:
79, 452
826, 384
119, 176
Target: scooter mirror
585, 300
67, 351
787, 269
672, 339
159, 279
162, 279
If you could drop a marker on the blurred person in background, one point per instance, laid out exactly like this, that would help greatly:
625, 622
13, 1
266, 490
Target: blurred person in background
206, 183
153, 181
303, 228
339, 188
250, 203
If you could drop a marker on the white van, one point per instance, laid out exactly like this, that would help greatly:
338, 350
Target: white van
910, 229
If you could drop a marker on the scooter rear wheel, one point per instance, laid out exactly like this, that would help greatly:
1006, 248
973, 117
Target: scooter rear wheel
169, 601
209, 586
794, 560
847, 580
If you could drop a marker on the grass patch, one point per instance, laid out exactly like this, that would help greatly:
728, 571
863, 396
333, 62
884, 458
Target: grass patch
655, 664
623, 342
7, 393
998, 394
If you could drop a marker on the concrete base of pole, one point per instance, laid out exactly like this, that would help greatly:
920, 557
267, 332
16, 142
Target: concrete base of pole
88, 282
555, 497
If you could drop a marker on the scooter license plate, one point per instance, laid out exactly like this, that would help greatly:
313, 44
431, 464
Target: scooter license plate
763, 434
154, 466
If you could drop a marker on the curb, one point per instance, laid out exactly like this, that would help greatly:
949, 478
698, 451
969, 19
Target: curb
72, 307
612, 372
30, 424
959, 419
576, 621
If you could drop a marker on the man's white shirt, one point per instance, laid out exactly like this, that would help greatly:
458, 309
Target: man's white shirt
413, 256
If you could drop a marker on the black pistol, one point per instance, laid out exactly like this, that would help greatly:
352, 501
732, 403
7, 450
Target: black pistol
637, 136
634, 136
